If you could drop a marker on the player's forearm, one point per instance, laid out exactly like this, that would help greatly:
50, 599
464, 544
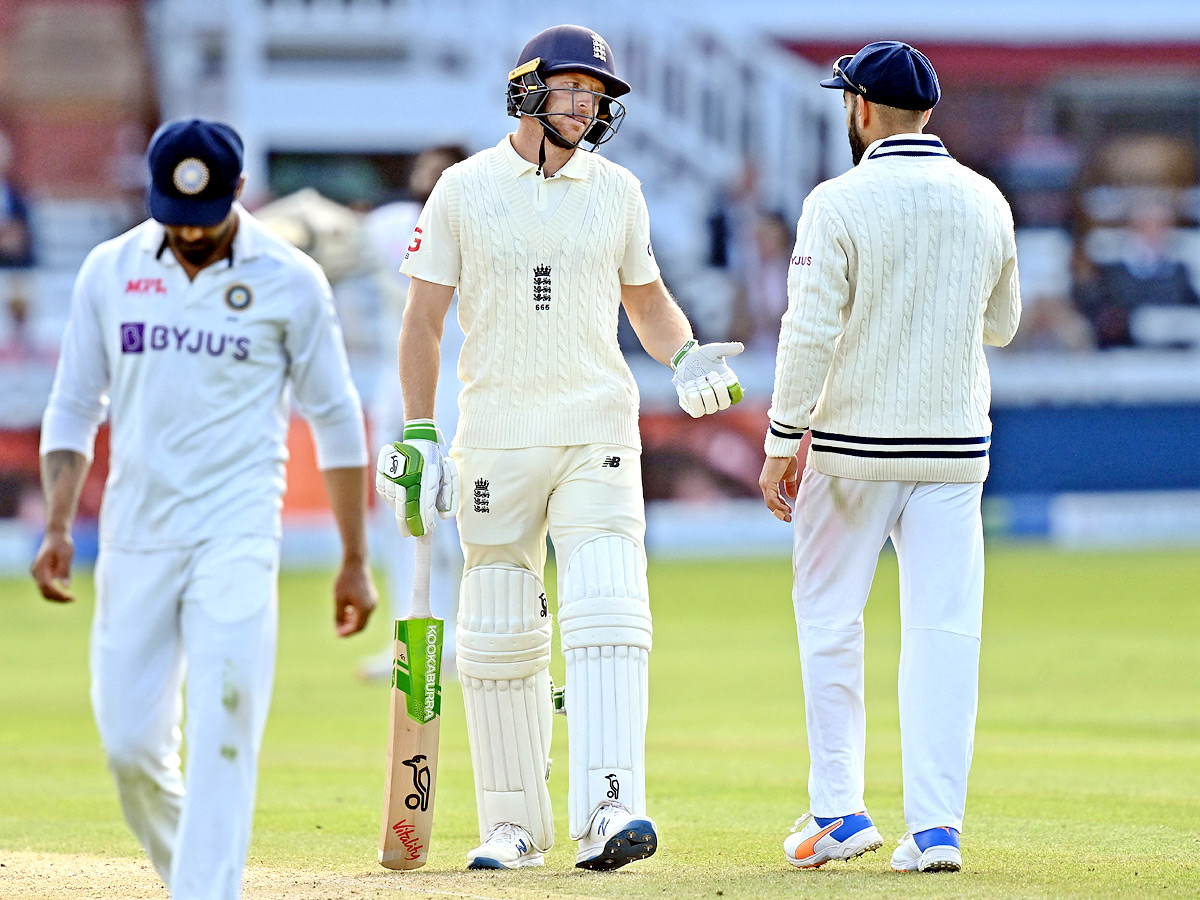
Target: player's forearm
656, 318
347, 489
63, 472
420, 345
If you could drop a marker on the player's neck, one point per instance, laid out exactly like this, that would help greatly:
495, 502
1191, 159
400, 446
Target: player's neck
528, 144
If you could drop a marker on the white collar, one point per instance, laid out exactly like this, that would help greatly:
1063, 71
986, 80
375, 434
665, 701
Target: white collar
576, 167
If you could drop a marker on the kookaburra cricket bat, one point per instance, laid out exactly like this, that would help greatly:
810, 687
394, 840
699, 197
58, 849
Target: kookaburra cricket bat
416, 718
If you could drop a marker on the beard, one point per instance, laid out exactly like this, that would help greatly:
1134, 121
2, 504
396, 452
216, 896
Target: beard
857, 145
197, 253
203, 251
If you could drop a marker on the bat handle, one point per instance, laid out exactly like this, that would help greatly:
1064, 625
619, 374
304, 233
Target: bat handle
424, 555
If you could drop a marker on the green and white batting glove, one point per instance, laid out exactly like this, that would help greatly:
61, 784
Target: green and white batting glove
702, 380
417, 479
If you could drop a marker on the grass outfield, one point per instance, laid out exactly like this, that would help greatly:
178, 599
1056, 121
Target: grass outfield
1086, 781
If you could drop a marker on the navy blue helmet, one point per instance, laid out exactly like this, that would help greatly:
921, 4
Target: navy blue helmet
567, 48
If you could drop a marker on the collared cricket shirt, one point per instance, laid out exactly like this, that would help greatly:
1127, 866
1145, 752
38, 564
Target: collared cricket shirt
195, 377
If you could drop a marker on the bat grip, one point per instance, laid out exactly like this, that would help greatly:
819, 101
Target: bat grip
424, 555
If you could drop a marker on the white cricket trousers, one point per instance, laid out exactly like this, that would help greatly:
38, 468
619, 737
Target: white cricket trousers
210, 612
841, 525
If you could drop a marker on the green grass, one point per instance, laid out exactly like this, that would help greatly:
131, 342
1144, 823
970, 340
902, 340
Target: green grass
1086, 781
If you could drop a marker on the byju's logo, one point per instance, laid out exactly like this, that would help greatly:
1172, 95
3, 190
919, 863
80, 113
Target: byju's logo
133, 337
136, 338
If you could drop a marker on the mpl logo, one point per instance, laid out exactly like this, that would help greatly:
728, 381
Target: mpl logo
133, 337
145, 286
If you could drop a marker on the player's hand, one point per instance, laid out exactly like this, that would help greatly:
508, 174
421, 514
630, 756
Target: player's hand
779, 471
702, 380
354, 598
417, 479
51, 567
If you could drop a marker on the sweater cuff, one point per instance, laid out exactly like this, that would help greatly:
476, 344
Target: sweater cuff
781, 447
783, 440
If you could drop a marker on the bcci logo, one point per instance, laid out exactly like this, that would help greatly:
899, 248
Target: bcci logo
190, 176
419, 798
238, 297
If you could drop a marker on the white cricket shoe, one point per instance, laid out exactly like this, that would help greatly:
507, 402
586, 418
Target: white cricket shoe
505, 846
616, 837
932, 850
814, 842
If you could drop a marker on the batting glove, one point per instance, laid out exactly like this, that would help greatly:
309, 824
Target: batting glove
702, 380
417, 479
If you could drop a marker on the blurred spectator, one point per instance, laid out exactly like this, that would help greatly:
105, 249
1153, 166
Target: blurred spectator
1145, 275
16, 241
1037, 174
731, 222
762, 295
1051, 324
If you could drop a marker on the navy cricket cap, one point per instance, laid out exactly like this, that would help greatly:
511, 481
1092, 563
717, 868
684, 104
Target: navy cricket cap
195, 165
888, 72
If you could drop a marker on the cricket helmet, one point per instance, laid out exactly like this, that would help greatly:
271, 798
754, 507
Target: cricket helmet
567, 48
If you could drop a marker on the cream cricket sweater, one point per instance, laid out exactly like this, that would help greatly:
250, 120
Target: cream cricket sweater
539, 292
904, 268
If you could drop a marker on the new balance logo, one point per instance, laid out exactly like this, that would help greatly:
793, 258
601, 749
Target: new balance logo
482, 496
610, 462
541, 288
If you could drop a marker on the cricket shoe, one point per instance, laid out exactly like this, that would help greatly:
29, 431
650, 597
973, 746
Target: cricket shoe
505, 846
932, 850
616, 837
814, 841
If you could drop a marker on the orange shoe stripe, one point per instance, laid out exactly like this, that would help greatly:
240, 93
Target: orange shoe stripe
809, 846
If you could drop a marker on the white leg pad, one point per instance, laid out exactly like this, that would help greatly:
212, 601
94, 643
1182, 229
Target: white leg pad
604, 620
503, 664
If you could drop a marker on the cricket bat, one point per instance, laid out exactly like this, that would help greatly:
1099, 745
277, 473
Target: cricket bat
416, 719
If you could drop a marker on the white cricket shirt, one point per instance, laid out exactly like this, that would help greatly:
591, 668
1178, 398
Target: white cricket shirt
195, 377
904, 267
539, 265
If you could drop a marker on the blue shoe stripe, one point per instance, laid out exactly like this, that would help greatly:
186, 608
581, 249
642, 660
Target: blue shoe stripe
851, 824
486, 862
936, 837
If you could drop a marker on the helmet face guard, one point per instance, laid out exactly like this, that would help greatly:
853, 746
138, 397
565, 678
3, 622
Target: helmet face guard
527, 95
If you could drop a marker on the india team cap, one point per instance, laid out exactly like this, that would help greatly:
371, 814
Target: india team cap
888, 72
195, 165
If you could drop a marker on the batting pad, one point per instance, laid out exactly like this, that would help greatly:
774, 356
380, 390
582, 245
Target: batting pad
604, 620
503, 663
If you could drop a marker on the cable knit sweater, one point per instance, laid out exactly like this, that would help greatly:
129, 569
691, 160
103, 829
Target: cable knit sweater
538, 297
904, 267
